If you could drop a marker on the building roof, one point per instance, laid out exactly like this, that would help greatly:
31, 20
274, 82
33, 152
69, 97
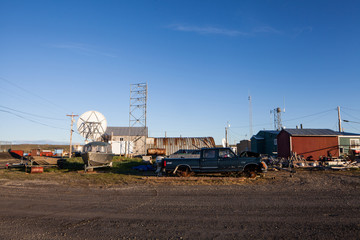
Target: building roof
317, 132
269, 131
173, 144
349, 134
311, 132
257, 138
124, 131
97, 144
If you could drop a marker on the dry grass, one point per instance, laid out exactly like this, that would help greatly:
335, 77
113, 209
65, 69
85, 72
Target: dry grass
72, 173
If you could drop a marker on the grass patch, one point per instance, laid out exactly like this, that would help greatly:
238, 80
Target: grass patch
125, 165
71, 164
71, 172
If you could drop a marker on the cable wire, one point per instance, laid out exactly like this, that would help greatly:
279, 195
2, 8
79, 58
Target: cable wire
32, 120
314, 114
34, 115
28, 92
349, 115
293, 119
352, 109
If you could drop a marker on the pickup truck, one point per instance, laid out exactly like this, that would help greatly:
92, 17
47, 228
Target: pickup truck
213, 160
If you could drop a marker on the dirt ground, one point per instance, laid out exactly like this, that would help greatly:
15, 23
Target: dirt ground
303, 205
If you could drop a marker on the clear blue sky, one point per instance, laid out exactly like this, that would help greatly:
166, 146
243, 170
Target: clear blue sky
201, 60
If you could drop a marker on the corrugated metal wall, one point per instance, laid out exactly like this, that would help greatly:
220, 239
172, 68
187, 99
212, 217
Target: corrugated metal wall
315, 146
174, 144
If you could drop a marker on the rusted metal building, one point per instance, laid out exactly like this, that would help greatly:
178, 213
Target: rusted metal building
312, 143
172, 144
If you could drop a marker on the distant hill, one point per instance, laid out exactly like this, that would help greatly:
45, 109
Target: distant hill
29, 147
49, 142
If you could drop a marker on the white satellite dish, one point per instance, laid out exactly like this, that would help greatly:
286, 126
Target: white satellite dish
91, 125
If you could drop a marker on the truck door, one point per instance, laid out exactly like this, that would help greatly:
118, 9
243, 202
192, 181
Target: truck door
227, 159
209, 160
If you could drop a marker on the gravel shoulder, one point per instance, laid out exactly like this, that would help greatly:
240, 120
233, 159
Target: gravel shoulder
282, 205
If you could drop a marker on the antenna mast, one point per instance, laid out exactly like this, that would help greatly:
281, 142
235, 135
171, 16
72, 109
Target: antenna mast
137, 118
226, 134
250, 117
277, 118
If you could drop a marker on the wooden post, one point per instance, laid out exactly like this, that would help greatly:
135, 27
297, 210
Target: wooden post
71, 131
339, 117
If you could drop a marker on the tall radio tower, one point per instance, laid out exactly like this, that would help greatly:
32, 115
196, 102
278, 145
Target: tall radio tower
250, 118
137, 117
277, 118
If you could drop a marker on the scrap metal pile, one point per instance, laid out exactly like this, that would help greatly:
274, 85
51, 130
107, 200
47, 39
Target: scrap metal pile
324, 163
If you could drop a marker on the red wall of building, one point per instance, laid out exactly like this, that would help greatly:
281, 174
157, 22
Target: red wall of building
315, 146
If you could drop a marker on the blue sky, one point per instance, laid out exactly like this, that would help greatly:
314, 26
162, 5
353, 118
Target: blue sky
201, 60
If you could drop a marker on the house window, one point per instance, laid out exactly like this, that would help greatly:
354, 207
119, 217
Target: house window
354, 144
275, 142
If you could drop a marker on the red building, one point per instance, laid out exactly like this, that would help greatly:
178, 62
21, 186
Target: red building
308, 142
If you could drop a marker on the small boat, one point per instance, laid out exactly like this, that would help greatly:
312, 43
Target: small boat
97, 154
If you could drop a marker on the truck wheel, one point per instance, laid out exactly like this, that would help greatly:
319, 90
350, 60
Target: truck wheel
252, 174
183, 172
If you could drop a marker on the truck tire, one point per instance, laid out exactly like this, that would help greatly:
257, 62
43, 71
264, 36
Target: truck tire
183, 172
251, 171
252, 174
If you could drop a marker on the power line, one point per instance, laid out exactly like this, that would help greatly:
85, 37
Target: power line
44, 99
314, 119
34, 121
353, 127
293, 119
314, 114
352, 109
349, 115
31, 114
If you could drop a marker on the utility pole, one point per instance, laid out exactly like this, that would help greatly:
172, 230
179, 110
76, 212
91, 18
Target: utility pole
226, 134
339, 118
71, 131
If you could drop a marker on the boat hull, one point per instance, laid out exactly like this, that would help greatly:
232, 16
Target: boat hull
97, 159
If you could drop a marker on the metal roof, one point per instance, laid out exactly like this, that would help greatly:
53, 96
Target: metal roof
269, 131
311, 132
124, 131
349, 134
174, 144
97, 144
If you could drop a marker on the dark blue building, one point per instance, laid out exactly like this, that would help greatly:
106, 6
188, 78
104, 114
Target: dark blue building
265, 142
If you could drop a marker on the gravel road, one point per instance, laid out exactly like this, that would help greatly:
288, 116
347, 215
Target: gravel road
304, 205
